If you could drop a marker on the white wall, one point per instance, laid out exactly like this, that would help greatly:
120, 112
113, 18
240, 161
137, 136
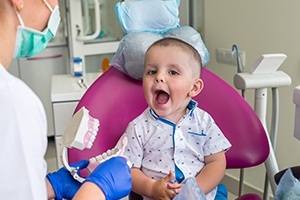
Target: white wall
259, 27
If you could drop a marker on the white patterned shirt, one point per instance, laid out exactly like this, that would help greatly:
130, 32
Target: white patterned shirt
157, 145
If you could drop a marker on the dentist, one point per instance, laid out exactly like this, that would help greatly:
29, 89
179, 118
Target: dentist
26, 27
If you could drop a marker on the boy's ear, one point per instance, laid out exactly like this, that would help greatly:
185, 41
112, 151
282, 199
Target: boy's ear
18, 4
197, 87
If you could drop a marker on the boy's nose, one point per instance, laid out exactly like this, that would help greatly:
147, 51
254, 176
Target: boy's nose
159, 78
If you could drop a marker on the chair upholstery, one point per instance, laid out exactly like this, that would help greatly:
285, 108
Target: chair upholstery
115, 99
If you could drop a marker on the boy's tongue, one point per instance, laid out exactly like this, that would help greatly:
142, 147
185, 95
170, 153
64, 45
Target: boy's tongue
162, 97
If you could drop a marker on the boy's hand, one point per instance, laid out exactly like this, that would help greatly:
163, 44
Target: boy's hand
176, 187
164, 190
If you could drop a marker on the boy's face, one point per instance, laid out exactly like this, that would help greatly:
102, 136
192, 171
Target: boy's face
169, 81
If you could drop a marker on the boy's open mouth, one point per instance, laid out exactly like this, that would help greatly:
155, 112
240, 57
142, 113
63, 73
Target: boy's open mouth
162, 97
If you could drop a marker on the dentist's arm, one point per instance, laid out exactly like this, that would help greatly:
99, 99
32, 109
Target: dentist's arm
90, 191
50, 191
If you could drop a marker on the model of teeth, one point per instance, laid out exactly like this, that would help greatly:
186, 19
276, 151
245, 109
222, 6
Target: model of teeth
81, 131
80, 134
95, 161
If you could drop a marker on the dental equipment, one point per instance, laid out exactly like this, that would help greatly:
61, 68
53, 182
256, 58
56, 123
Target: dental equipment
97, 23
80, 134
296, 100
95, 161
263, 75
286, 179
238, 58
81, 131
267, 63
81, 83
240, 69
115, 116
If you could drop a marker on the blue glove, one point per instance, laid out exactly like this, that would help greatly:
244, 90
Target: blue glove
113, 177
63, 183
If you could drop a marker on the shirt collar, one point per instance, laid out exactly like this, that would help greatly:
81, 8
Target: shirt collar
191, 106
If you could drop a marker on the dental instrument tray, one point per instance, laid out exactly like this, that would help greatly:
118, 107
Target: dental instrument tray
267, 63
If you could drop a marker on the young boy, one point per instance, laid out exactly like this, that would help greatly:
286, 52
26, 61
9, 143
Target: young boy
173, 139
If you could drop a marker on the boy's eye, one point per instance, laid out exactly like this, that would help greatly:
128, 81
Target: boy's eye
172, 72
151, 72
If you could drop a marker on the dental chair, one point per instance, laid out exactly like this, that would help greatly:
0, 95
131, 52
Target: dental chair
116, 99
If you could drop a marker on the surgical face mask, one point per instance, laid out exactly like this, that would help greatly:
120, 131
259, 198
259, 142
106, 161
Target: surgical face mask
29, 42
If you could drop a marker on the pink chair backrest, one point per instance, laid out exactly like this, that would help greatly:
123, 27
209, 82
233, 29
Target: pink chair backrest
115, 99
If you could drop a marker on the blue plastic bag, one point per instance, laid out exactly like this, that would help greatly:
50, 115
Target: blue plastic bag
129, 57
288, 187
144, 22
154, 16
190, 191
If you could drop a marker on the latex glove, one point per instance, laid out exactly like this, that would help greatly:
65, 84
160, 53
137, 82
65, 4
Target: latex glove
63, 183
113, 177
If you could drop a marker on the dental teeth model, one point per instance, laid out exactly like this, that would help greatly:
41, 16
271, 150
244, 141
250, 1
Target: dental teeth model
81, 131
95, 161
80, 134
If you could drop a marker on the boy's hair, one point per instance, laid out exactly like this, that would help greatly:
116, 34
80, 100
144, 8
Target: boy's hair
168, 41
